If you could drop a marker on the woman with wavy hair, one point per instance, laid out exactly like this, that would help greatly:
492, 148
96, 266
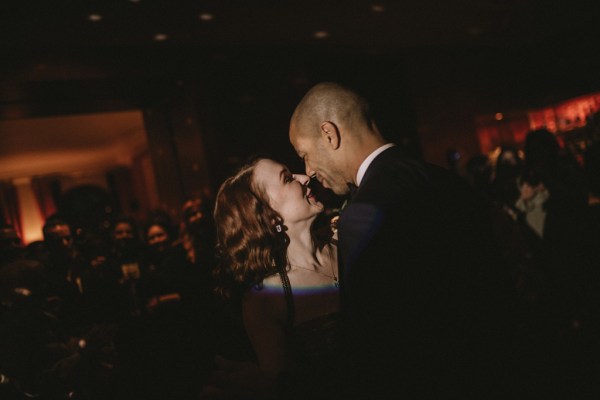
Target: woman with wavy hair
272, 262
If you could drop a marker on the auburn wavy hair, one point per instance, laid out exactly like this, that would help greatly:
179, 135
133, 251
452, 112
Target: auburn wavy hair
249, 248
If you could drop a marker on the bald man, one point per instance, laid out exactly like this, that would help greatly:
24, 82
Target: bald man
418, 284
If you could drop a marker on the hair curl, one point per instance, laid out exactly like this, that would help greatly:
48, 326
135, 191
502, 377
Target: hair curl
249, 248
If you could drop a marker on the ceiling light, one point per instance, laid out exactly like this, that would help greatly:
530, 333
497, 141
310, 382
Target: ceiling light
378, 8
160, 37
499, 116
206, 17
134, 1
95, 17
321, 34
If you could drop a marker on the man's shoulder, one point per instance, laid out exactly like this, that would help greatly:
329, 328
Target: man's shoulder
393, 172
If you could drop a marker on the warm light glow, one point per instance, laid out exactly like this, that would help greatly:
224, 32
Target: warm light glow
95, 17
40, 146
321, 34
565, 116
160, 37
556, 118
493, 155
206, 17
378, 8
31, 217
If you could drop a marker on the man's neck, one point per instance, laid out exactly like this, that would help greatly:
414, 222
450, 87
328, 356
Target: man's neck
368, 160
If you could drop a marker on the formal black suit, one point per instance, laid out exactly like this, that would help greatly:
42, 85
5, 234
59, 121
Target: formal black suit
420, 285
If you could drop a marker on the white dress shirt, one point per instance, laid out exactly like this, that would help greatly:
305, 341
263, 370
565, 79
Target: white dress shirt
365, 164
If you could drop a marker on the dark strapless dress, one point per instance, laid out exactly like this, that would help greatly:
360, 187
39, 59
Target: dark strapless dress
316, 343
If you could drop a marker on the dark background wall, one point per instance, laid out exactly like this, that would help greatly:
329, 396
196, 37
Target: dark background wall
215, 93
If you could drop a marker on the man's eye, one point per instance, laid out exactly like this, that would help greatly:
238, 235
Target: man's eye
288, 179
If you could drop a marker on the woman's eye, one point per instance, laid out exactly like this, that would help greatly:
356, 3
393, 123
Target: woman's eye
289, 178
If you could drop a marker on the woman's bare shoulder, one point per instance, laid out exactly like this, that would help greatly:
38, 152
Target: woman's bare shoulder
266, 299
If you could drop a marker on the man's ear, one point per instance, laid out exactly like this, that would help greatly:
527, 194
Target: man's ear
331, 134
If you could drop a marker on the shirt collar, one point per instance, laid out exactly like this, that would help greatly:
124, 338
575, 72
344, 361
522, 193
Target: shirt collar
365, 164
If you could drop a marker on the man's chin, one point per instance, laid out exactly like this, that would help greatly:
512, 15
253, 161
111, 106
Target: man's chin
341, 191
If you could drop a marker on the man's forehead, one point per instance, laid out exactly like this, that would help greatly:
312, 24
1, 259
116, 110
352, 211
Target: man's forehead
301, 143
60, 229
297, 132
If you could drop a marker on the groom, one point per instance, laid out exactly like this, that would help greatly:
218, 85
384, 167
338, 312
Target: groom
421, 293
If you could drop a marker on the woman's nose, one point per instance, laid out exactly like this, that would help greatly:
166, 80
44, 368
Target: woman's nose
303, 179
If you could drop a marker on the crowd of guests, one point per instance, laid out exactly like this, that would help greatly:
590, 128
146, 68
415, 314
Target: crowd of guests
545, 204
132, 312
123, 312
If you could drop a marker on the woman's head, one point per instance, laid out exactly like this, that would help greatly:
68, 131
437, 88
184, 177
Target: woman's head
252, 209
158, 236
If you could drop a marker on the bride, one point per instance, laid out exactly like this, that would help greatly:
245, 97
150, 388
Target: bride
272, 262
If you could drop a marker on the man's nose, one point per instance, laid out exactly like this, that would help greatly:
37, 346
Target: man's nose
309, 171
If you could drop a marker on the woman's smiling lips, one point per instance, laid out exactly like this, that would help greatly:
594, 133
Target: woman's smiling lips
310, 196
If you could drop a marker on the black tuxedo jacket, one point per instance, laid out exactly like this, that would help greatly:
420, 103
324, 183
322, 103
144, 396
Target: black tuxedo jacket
420, 286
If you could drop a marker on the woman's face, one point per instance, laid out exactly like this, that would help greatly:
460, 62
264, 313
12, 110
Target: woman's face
288, 193
123, 230
157, 236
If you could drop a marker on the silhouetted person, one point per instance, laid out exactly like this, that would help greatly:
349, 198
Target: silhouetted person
11, 247
507, 170
60, 261
127, 255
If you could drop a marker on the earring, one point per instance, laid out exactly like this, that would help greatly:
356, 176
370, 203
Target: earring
278, 228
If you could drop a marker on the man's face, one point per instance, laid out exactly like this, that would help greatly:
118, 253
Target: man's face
157, 237
59, 237
319, 161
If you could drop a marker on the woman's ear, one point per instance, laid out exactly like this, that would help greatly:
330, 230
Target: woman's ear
331, 134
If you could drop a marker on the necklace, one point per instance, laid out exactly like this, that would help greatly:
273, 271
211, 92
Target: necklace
336, 282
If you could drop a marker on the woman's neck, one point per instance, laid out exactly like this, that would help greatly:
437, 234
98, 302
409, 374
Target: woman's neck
302, 249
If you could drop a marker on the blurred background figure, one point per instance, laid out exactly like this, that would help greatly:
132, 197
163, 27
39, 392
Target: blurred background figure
60, 262
40, 357
169, 350
592, 170
126, 254
158, 236
11, 247
127, 249
557, 170
197, 232
507, 170
479, 173
160, 285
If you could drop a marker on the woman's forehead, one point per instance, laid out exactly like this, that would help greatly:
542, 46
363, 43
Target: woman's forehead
269, 169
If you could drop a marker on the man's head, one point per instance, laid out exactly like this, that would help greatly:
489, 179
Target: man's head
124, 229
58, 236
332, 131
125, 234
